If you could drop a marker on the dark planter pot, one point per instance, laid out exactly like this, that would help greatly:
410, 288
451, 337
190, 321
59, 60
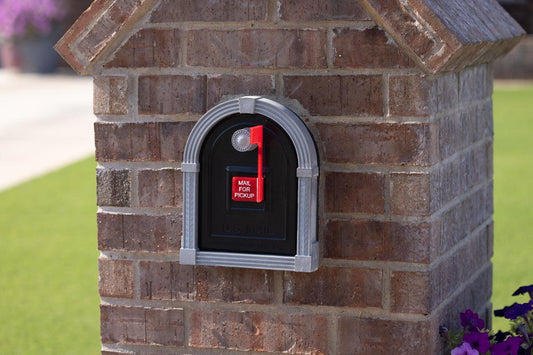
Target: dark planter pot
31, 54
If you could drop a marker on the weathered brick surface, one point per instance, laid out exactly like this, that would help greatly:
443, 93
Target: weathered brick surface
368, 48
136, 325
152, 141
423, 292
167, 281
475, 296
458, 268
107, 25
332, 95
160, 188
173, 281
63, 47
355, 193
127, 141
375, 240
414, 95
221, 85
249, 48
113, 187
334, 286
410, 292
116, 278
376, 336
148, 48
117, 352
404, 20
173, 136
310, 10
257, 331
379, 143
110, 95
426, 192
134, 232
475, 84
172, 94
234, 285
207, 10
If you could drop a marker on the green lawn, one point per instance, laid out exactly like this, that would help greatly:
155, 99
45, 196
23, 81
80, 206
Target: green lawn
513, 193
48, 260
48, 264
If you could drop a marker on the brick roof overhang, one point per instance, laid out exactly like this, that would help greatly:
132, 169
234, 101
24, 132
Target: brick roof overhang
439, 35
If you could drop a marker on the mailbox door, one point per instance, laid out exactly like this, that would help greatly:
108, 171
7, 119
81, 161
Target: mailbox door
268, 227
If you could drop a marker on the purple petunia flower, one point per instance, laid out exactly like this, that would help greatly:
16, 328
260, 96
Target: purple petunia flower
515, 310
508, 347
471, 321
465, 349
524, 289
500, 336
478, 341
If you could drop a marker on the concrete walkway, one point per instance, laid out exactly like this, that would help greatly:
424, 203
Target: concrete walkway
46, 122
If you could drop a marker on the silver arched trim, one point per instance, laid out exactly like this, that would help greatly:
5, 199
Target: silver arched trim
306, 258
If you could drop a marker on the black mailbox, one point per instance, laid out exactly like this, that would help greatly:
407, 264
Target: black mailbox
250, 189
231, 218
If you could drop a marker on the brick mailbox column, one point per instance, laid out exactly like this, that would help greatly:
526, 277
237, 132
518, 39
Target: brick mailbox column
397, 95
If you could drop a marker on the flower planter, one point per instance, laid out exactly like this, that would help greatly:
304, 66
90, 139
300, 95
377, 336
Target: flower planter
31, 54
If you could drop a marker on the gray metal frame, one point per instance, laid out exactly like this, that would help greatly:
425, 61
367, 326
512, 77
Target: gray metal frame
307, 256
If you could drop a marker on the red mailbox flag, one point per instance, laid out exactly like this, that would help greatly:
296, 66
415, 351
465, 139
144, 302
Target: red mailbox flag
256, 137
250, 189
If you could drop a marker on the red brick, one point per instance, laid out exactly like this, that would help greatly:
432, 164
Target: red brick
257, 331
173, 136
412, 194
221, 85
474, 296
378, 336
149, 47
458, 268
63, 47
414, 95
310, 10
379, 143
110, 95
410, 292
167, 281
160, 188
136, 325
468, 126
375, 240
127, 141
475, 84
335, 286
116, 278
355, 193
92, 43
139, 232
249, 48
211, 11
404, 20
113, 187
167, 94
337, 95
234, 285
172, 281
367, 48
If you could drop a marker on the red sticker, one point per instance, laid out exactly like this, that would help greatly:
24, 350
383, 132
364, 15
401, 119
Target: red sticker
244, 189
